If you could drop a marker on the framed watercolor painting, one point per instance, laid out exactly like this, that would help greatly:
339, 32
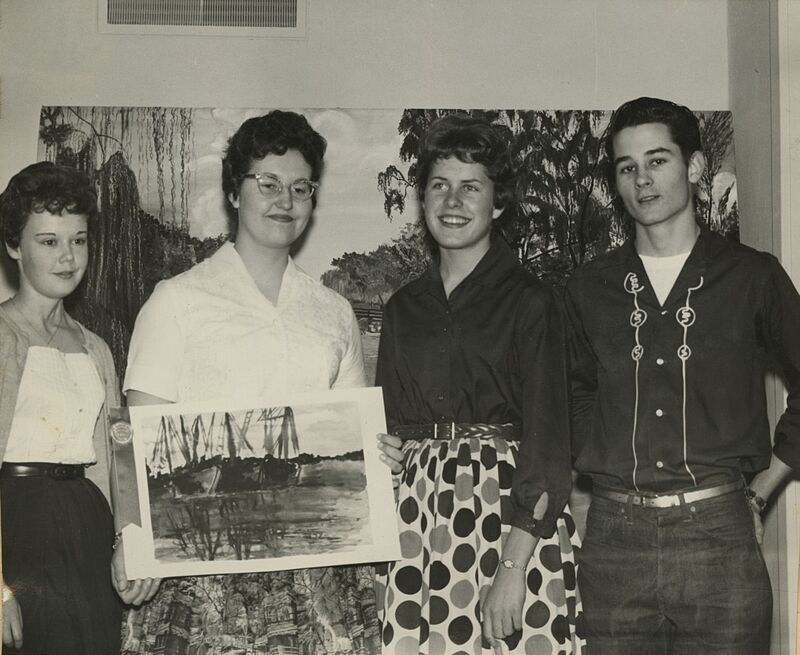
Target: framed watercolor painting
275, 484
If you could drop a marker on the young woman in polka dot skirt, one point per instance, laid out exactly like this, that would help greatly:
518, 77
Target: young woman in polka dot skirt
472, 364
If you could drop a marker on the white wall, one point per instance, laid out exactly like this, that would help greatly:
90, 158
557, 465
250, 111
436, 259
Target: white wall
367, 53
787, 18
375, 53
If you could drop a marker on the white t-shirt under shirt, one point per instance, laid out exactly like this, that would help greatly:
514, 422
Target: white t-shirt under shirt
209, 334
662, 272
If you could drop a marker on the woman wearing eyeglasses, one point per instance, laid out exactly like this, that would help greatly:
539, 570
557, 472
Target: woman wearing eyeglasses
247, 323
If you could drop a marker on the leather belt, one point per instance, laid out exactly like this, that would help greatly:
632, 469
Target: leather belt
451, 430
42, 469
667, 500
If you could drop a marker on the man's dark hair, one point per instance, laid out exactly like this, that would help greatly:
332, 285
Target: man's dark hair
682, 123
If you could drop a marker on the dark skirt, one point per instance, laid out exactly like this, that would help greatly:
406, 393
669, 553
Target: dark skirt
57, 537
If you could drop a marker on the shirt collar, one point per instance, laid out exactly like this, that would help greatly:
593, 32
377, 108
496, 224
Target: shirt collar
704, 249
230, 263
494, 266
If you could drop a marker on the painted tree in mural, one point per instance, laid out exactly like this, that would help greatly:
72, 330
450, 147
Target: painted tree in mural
372, 277
716, 131
131, 249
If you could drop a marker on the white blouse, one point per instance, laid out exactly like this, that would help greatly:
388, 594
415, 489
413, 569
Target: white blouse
209, 334
59, 400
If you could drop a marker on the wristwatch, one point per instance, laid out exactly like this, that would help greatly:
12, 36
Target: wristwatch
754, 499
511, 564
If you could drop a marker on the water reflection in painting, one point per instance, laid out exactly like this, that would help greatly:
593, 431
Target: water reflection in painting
260, 483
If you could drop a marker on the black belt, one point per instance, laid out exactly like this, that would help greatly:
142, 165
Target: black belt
450, 430
667, 500
42, 469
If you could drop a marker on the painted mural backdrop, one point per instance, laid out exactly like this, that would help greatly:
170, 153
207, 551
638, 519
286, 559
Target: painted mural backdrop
157, 172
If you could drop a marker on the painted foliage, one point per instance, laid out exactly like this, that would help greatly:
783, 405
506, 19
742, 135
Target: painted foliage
157, 171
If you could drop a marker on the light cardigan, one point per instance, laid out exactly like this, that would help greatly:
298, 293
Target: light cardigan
14, 346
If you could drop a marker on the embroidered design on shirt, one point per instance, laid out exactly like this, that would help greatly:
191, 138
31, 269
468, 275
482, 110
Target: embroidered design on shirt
686, 317
637, 319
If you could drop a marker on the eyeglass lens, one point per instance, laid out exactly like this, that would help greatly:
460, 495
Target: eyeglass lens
272, 187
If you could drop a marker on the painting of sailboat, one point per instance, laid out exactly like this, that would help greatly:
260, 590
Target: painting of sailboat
218, 457
250, 487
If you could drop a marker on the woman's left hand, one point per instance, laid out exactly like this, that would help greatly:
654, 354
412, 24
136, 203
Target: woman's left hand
392, 453
131, 592
501, 610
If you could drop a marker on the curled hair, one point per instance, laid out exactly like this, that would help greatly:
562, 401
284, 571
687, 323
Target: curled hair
271, 134
44, 187
682, 124
470, 140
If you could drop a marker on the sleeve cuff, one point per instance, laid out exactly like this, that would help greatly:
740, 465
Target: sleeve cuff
524, 520
155, 382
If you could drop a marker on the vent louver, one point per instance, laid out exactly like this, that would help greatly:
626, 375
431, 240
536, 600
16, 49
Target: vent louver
204, 17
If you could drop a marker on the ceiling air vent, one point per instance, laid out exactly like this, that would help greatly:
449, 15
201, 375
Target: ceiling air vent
264, 18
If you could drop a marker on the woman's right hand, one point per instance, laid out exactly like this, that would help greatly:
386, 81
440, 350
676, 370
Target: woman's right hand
131, 592
391, 447
12, 623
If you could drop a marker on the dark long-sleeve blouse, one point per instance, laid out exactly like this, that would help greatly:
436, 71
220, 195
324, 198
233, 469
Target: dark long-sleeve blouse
493, 353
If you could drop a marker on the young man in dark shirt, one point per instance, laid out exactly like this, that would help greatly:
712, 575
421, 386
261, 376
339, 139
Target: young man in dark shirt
672, 334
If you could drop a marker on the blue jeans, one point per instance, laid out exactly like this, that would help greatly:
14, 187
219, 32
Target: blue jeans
687, 580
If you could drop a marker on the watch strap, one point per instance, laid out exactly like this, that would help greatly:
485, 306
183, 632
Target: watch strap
755, 500
511, 564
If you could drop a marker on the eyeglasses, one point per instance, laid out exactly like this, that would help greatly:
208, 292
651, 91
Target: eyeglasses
271, 187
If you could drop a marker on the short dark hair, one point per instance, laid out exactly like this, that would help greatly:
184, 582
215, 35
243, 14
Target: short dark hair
274, 133
682, 124
44, 187
470, 140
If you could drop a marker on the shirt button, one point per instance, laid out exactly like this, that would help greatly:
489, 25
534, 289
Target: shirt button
440, 397
659, 412
442, 349
660, 362
664, 313
660, 464
444, 329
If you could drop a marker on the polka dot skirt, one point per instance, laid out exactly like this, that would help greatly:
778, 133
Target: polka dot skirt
454, 504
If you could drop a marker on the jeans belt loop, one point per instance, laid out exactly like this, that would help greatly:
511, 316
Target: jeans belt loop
627, 510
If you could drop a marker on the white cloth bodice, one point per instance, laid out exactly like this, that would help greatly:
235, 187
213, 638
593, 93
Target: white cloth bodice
59, 400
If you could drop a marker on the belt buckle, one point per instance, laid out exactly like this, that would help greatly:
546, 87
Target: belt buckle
660, 502
62, 472
450, 426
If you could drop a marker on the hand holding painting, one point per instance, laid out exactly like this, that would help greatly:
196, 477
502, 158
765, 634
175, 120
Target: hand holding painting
132, 592
391, 448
